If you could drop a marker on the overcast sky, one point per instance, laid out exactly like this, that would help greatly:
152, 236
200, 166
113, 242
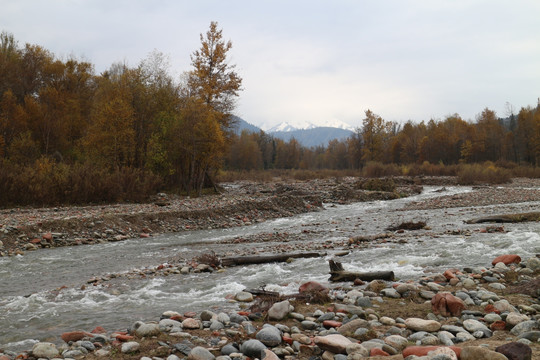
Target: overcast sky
316, 61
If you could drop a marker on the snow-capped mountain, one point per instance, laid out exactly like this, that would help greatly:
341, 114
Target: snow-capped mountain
287, 127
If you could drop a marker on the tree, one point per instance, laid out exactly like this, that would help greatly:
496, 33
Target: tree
374, 135
213, 79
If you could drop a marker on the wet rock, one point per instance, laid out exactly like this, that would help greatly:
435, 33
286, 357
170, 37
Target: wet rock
244, 296
335, 343
74, 336
252, 348
417, 324
45, 350
506, 259
312, 286
279, 310
515, 351
269, 336
480, 353
200, 353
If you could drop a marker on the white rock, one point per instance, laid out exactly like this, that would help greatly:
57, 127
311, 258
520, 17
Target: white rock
417, 324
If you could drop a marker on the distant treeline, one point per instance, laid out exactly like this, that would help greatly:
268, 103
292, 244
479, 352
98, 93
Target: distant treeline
512, 140
68, 135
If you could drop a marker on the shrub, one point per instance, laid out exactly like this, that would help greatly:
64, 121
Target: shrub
487, 173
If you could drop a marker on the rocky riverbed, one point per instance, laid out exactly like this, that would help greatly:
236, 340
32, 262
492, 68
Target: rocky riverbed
469, 314
481, 307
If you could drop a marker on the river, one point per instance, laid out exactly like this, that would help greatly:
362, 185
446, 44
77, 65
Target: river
42, 292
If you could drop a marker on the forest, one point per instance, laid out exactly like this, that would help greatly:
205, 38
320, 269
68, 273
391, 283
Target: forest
69, 135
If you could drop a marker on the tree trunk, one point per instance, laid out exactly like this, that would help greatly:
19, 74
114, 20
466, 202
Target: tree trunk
337, 273
264, 259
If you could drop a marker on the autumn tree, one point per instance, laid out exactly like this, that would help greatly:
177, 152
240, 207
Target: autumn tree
213, 79
374, 134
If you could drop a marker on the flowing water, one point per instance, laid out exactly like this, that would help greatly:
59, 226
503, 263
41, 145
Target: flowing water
33, 306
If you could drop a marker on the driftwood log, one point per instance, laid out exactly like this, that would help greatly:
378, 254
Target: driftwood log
337, 273
507, 218
264, 259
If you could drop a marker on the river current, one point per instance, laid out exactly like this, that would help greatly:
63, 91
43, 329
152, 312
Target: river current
42, 293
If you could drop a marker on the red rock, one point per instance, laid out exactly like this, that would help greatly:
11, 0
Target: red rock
378, 352
507, 259
515, 351
243, 313
423, 350
447, 304
124, 338
449, 274
498, 325
491, 309
99, 330
74, 336
35, 241
144, 235
4, 357
47, 236
312, 286
358, 282
177, 318
190, 314
288, 340
331, 324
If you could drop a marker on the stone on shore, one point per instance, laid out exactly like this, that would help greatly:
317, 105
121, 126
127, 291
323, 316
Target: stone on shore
191, 324
200, 353
129, 347
45, 350
507, 259
335, 343
148, 330
515, 351
417, 324
74, 336
269, 336
480, 353
253, 348
447, 304
312, 286
279, 310
424, 350
244, 296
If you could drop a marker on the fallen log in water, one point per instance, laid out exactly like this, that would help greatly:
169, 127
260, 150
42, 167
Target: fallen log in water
264, 259
507, 218
337, 273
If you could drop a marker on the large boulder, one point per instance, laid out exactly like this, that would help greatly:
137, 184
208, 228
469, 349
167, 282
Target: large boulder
515, 351
447, 304
507, 259
279, 310
480, 353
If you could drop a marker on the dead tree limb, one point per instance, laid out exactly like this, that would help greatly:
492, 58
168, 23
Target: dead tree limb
264, 259
337, 273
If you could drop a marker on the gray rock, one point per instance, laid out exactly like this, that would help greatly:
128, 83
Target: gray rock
45, 350
524, 327
223, 318
533, 336
216, 325
279, 310
352, 326
269, 336
492, 317
167, 325
473, 325
445, 338
391, 293
326, 316
396, 341
229, 349
533, 263
200, 353
430, 340
130, 346
253, 348
453, 329
309, 325
363, 301
244, 296
417, 324
360, 332
207, 315
237, 319
147, 330
514, 318
417, 336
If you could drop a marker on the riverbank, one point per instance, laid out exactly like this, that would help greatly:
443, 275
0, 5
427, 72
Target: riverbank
238, 204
